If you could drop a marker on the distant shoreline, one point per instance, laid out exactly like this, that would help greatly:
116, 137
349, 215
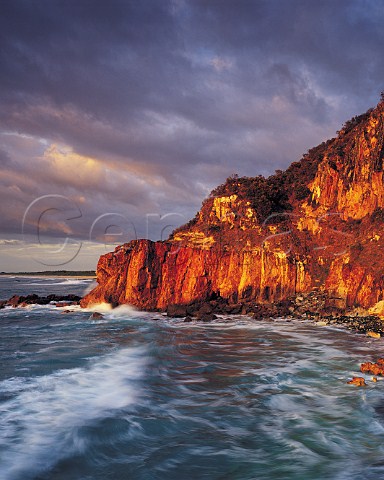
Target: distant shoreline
48, 275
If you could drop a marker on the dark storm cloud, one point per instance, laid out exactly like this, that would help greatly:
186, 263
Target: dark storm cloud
102, 57
170, 97
116, 59
336, 39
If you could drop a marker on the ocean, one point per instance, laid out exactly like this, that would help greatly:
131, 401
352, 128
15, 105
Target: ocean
138, 396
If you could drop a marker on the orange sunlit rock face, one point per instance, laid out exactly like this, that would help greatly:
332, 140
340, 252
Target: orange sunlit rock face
373, 368
319, 224
358, 381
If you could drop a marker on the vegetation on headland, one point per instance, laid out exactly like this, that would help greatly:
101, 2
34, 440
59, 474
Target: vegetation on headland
280, 192
274, 194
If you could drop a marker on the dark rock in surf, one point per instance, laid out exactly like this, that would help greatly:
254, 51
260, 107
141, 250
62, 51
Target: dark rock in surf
176, 311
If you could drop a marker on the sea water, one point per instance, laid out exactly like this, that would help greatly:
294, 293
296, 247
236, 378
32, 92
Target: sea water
136, 395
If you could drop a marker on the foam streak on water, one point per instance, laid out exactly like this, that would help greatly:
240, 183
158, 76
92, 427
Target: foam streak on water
42, 422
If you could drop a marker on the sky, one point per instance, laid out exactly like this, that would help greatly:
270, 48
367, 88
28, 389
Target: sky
118, 117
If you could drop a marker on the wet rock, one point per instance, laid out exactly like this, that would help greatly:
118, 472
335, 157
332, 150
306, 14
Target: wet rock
188, 319
176, 311
358, 381
208, 317
33, 299
205, 309
65, 304
192, 309
96, 316
373, 334
199, 309
373, 368
261, 312
14, 301
235, 309
284, 307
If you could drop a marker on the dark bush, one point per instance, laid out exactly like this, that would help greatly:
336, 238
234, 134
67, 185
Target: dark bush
378, 215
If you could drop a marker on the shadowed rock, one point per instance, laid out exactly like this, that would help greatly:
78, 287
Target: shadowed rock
33, 299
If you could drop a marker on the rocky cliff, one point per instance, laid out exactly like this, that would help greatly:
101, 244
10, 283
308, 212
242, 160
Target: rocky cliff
318, 225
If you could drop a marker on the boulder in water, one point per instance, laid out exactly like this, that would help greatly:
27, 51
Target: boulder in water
373, 368
358, 381
176, 311
373, 334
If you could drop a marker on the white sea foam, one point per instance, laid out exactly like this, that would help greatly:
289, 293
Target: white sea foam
55, 281
99, 307
78, 281
40, 424
120, 312
123, 311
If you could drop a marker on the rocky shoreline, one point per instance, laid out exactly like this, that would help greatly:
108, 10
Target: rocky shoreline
33, 299
315, 306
